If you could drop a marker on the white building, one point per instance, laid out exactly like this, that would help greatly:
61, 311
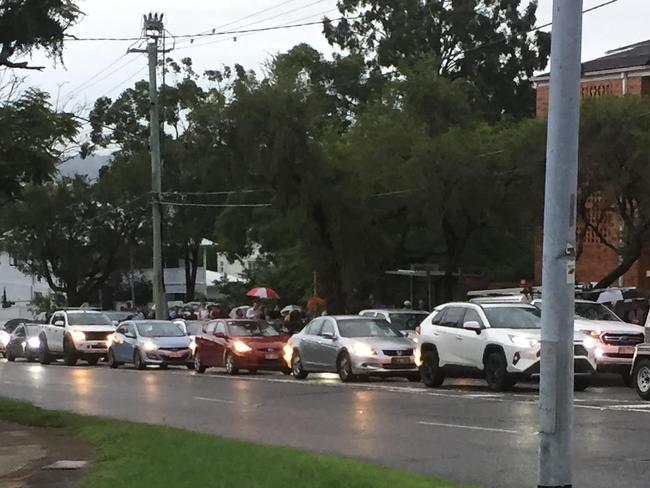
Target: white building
18, 287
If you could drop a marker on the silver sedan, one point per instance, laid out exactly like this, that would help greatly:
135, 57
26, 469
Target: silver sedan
351, 346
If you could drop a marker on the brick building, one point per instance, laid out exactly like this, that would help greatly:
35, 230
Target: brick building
624, 71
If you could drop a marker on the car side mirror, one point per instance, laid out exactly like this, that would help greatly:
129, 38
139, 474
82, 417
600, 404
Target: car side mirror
473, 325
59, 323
328, 335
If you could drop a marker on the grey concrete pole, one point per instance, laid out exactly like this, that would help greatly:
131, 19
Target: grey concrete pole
558, 275
159, 297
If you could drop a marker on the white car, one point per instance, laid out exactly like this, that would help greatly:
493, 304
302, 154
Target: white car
502, 340
75, 334
405, 320
616, 340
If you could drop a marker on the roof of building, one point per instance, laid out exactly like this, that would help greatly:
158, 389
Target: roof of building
624, 57
633, 55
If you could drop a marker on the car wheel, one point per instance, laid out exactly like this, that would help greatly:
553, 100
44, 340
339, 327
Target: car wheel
231, 364
414, 378
190, 366
69, 353
10, 357
286, 371
581, 383
431, 373
252, 371
164, 366
44, 355
198, 365
111, 360
496, 372
296, 366
344, 368
642, 379
138, 362
92, 361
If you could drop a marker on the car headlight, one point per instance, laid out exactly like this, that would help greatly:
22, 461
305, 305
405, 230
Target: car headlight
595, 334
4, 338
149, 346
417, 357
590, 342
78, 336
240, 346
109, 340
523, 342
361, 349
287, 353
192, 345
34, 342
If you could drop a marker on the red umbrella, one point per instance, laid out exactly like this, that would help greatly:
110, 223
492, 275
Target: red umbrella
262, 293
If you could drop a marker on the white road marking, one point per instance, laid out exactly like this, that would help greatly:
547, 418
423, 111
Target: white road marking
468, 427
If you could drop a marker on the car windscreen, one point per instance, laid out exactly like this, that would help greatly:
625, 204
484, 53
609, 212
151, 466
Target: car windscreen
407, 321
159, 329
11, 325
251, 329
85, 318
514, 317
366, 328
595, 311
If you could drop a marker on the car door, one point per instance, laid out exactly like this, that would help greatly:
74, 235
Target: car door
471, 344
16, 341
55, 333
309, 343
326, 347
119, 345
212, 345
448, 341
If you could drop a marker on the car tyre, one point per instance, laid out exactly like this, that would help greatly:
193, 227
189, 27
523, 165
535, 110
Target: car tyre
44, 356
286, 371
252, 371
92, 361
231, 364
69, 353
10, 357
138, 362
431, 373
642, 379
581, 383
199, 367
111, 360
344, 368
496, 372
190, 366
296, 366
164, 366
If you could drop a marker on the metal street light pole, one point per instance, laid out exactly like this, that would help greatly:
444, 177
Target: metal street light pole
558, 277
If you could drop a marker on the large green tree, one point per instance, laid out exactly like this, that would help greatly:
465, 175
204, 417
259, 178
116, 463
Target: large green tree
33, 141
486, 42
28, 25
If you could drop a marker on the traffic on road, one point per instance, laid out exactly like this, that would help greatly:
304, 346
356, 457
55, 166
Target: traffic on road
497, 339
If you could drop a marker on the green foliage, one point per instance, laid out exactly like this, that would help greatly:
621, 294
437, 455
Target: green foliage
32, 142
485, 42
26, 25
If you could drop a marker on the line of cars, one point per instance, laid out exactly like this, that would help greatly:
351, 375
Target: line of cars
497, 339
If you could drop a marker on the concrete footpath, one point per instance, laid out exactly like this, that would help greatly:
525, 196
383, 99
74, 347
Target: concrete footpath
26, 451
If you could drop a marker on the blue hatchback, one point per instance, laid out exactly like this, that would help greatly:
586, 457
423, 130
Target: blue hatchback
149, 342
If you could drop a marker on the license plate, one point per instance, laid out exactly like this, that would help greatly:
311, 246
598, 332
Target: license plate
173, 354
626, 350
272, 356
401, 361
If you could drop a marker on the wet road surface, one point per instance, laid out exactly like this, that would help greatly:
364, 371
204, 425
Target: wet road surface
462, 431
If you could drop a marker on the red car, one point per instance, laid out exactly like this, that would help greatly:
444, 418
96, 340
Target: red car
240, 344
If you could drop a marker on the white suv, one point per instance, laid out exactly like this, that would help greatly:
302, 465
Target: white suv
500, 339
74, 335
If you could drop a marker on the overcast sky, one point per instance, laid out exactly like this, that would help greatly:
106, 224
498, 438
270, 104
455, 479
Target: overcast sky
621, 23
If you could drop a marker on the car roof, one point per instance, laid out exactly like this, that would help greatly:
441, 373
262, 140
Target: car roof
347, 317
490, 304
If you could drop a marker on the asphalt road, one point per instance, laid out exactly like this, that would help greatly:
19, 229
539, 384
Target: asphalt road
462, 431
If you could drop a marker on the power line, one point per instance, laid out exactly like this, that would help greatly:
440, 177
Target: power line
208, 193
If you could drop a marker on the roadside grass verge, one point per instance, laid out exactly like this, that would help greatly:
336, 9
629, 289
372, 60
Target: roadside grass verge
140, 455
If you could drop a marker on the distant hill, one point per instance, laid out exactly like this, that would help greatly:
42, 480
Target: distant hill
89, 167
